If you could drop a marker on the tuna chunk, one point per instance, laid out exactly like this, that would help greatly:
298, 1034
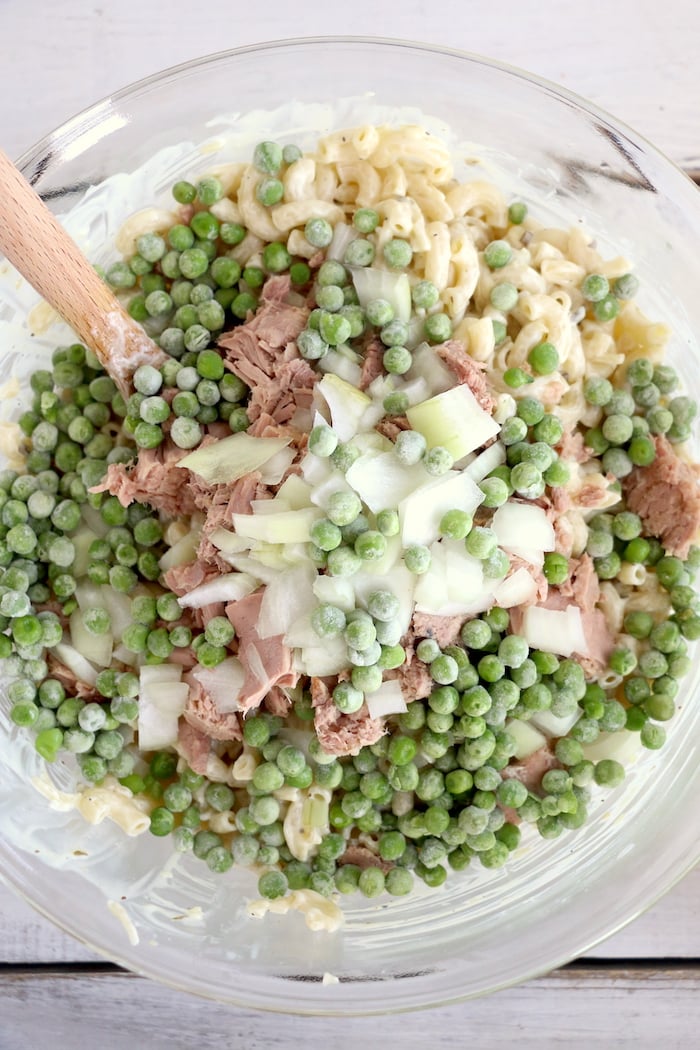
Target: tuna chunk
572, 447
341, 734
372, 364
277, 702
468, 371
413, 676
665, 495
363, 858
203, 715
154, 478
443, 629
530, 770
220, 502
267, 661
581, 589
391, 426
194, 746
182, 579
263, 353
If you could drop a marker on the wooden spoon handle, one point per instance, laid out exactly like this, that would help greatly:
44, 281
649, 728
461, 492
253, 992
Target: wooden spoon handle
38, 246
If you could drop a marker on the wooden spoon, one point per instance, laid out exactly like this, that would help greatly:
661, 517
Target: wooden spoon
41, 250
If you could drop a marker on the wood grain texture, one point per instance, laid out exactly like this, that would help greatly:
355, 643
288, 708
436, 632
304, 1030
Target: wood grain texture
635, 58
574, 1009
41, 250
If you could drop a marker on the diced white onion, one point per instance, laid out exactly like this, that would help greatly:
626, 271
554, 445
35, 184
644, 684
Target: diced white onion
288, 597
486, 461
272, 472
227, 588
181, 552
555, 631
290, 526
269, 506
232, 457
152, 673
372, 283
118, 605
523, 525
527, 738
517, 589
334, 590
455, 420
321, 660
160, 706
381, 481
97, 648
387, 700
623, 746
552, 725
347, 404
223, 683
342, 236
431, 369
341, 366
532, 557
421, 512
295, 492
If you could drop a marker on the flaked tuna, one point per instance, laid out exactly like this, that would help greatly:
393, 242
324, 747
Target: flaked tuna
267, 661
665, 496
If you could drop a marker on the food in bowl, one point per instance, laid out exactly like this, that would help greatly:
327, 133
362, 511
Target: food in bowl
391, 559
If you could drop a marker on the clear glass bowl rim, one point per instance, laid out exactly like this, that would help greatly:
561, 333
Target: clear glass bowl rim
91, 116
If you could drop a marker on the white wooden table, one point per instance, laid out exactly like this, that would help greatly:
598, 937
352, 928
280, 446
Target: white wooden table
636, 58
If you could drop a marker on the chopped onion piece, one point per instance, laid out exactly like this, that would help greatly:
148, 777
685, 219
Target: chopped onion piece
151, 673
97, 648
455, 420
417, 390
227, 588
555, 631
431, 369
486, 461
272, 472
523, 525
232, 457
119, 608
527, 738
181, 552
223, 683
382, 386
347, 405
381, 481
160, 705
295, 492
334, 590
387, 700
342, 236
229, 542
81, 540
287, 598
342, 367
532, 557
321, 660
323, 492
517, 589
251, 565
291, 526
75, 662
421, 512
372, 283
399, 581
623, 746
552, 725
269, 506
89, 596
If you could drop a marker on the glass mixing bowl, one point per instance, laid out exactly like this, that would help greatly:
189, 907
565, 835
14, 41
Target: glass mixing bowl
483, 930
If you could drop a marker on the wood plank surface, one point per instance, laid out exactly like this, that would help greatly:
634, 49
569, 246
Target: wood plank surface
635, 58
576, 1009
